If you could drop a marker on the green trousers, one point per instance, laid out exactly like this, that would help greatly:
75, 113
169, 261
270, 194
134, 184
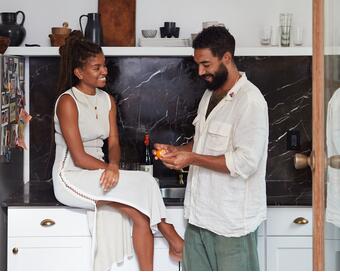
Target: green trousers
208, 251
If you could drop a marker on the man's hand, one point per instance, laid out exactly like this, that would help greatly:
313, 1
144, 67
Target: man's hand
178, 159
162, 149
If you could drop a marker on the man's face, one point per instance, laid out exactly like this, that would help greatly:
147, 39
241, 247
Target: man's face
210, 68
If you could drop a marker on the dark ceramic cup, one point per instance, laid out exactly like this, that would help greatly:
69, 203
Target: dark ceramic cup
175, 33
163, 32
169, 28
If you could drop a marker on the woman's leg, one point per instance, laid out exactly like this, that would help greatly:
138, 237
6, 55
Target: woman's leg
175, 241
141, 234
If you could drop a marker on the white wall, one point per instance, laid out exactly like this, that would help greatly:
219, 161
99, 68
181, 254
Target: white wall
332, 23
41, 15
244, 18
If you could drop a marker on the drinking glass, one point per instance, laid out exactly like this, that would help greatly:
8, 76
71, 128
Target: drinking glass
298, 35
285, 28
266, 35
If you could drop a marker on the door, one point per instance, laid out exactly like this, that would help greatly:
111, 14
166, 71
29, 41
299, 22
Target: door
332, 110
324, 159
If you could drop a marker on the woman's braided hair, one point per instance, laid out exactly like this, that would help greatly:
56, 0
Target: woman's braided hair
74, 54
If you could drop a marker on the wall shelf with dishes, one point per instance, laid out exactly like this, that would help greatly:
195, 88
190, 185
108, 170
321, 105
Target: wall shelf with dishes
171, 51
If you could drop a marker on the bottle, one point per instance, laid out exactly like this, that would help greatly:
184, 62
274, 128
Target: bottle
147, 164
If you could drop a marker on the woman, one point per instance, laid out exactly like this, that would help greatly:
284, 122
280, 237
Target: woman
84, 117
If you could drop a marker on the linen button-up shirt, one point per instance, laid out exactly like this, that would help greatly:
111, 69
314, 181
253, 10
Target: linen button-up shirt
333, 149
233, 204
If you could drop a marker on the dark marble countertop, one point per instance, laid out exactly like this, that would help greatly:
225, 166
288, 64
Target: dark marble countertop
40, 193
33, 194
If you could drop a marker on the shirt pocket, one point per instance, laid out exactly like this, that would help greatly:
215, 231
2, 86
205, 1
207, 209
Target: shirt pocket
218, 137
196, 124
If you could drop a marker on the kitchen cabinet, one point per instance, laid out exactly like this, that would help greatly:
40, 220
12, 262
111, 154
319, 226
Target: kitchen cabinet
49, 253
48, 239
162, 260
289, 238
289, 244
332, 247
289, 253
58, 238
332, 255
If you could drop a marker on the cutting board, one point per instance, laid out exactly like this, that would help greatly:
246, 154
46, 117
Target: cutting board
118, 22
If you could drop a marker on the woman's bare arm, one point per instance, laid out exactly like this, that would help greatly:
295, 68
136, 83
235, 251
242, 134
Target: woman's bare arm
67, 113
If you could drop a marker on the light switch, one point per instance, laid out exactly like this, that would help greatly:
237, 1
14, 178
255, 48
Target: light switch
293, 140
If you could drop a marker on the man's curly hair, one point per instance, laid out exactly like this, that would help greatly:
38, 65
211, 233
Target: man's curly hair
217, 38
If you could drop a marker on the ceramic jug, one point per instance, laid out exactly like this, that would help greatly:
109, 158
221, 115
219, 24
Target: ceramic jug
10, 28
93, 31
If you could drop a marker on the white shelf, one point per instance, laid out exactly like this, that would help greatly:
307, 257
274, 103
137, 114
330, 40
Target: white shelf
273, 51
166, 51
108, 51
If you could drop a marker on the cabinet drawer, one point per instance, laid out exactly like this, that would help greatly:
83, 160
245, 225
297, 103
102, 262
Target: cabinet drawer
23, 221
281, 221
49, 253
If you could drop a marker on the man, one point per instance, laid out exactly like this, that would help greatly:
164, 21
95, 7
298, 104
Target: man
333, 149
225, 198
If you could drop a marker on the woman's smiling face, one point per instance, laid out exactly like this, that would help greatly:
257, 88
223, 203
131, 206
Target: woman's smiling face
93, 74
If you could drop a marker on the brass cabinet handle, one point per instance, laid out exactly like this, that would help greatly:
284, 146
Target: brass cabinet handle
15, 250
301, 221
47, 223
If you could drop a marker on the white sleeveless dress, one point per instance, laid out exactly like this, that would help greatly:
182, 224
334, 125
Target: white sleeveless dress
77, 187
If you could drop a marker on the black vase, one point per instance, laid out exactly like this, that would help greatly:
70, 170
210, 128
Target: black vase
93, 31
11, 29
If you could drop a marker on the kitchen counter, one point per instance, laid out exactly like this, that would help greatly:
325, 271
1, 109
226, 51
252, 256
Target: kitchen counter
40, 193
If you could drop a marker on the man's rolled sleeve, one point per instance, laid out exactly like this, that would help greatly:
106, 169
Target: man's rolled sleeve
250, 139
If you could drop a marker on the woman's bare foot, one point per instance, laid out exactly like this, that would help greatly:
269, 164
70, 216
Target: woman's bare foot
176, 249
175, 241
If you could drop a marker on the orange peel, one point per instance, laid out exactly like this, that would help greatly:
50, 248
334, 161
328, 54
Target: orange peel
160, 153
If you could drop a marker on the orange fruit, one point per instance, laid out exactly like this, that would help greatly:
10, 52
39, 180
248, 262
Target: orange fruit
160, 153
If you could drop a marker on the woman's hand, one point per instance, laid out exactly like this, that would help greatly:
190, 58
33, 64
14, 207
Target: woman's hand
109, 177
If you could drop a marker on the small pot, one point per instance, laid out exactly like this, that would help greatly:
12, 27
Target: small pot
58, 39
64, 30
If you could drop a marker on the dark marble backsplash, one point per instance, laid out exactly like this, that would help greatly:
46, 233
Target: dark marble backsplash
161, 95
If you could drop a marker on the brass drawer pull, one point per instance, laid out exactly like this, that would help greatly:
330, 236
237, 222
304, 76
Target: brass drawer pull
47, 223
301, 221
15, 250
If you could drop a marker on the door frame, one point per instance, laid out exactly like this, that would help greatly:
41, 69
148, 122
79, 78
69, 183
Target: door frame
318, 134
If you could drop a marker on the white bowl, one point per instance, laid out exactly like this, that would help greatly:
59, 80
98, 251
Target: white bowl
149, 33
209, 23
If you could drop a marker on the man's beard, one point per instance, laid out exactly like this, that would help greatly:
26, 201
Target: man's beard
219, 78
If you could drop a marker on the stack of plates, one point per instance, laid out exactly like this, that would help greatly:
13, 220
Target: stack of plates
154, 42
